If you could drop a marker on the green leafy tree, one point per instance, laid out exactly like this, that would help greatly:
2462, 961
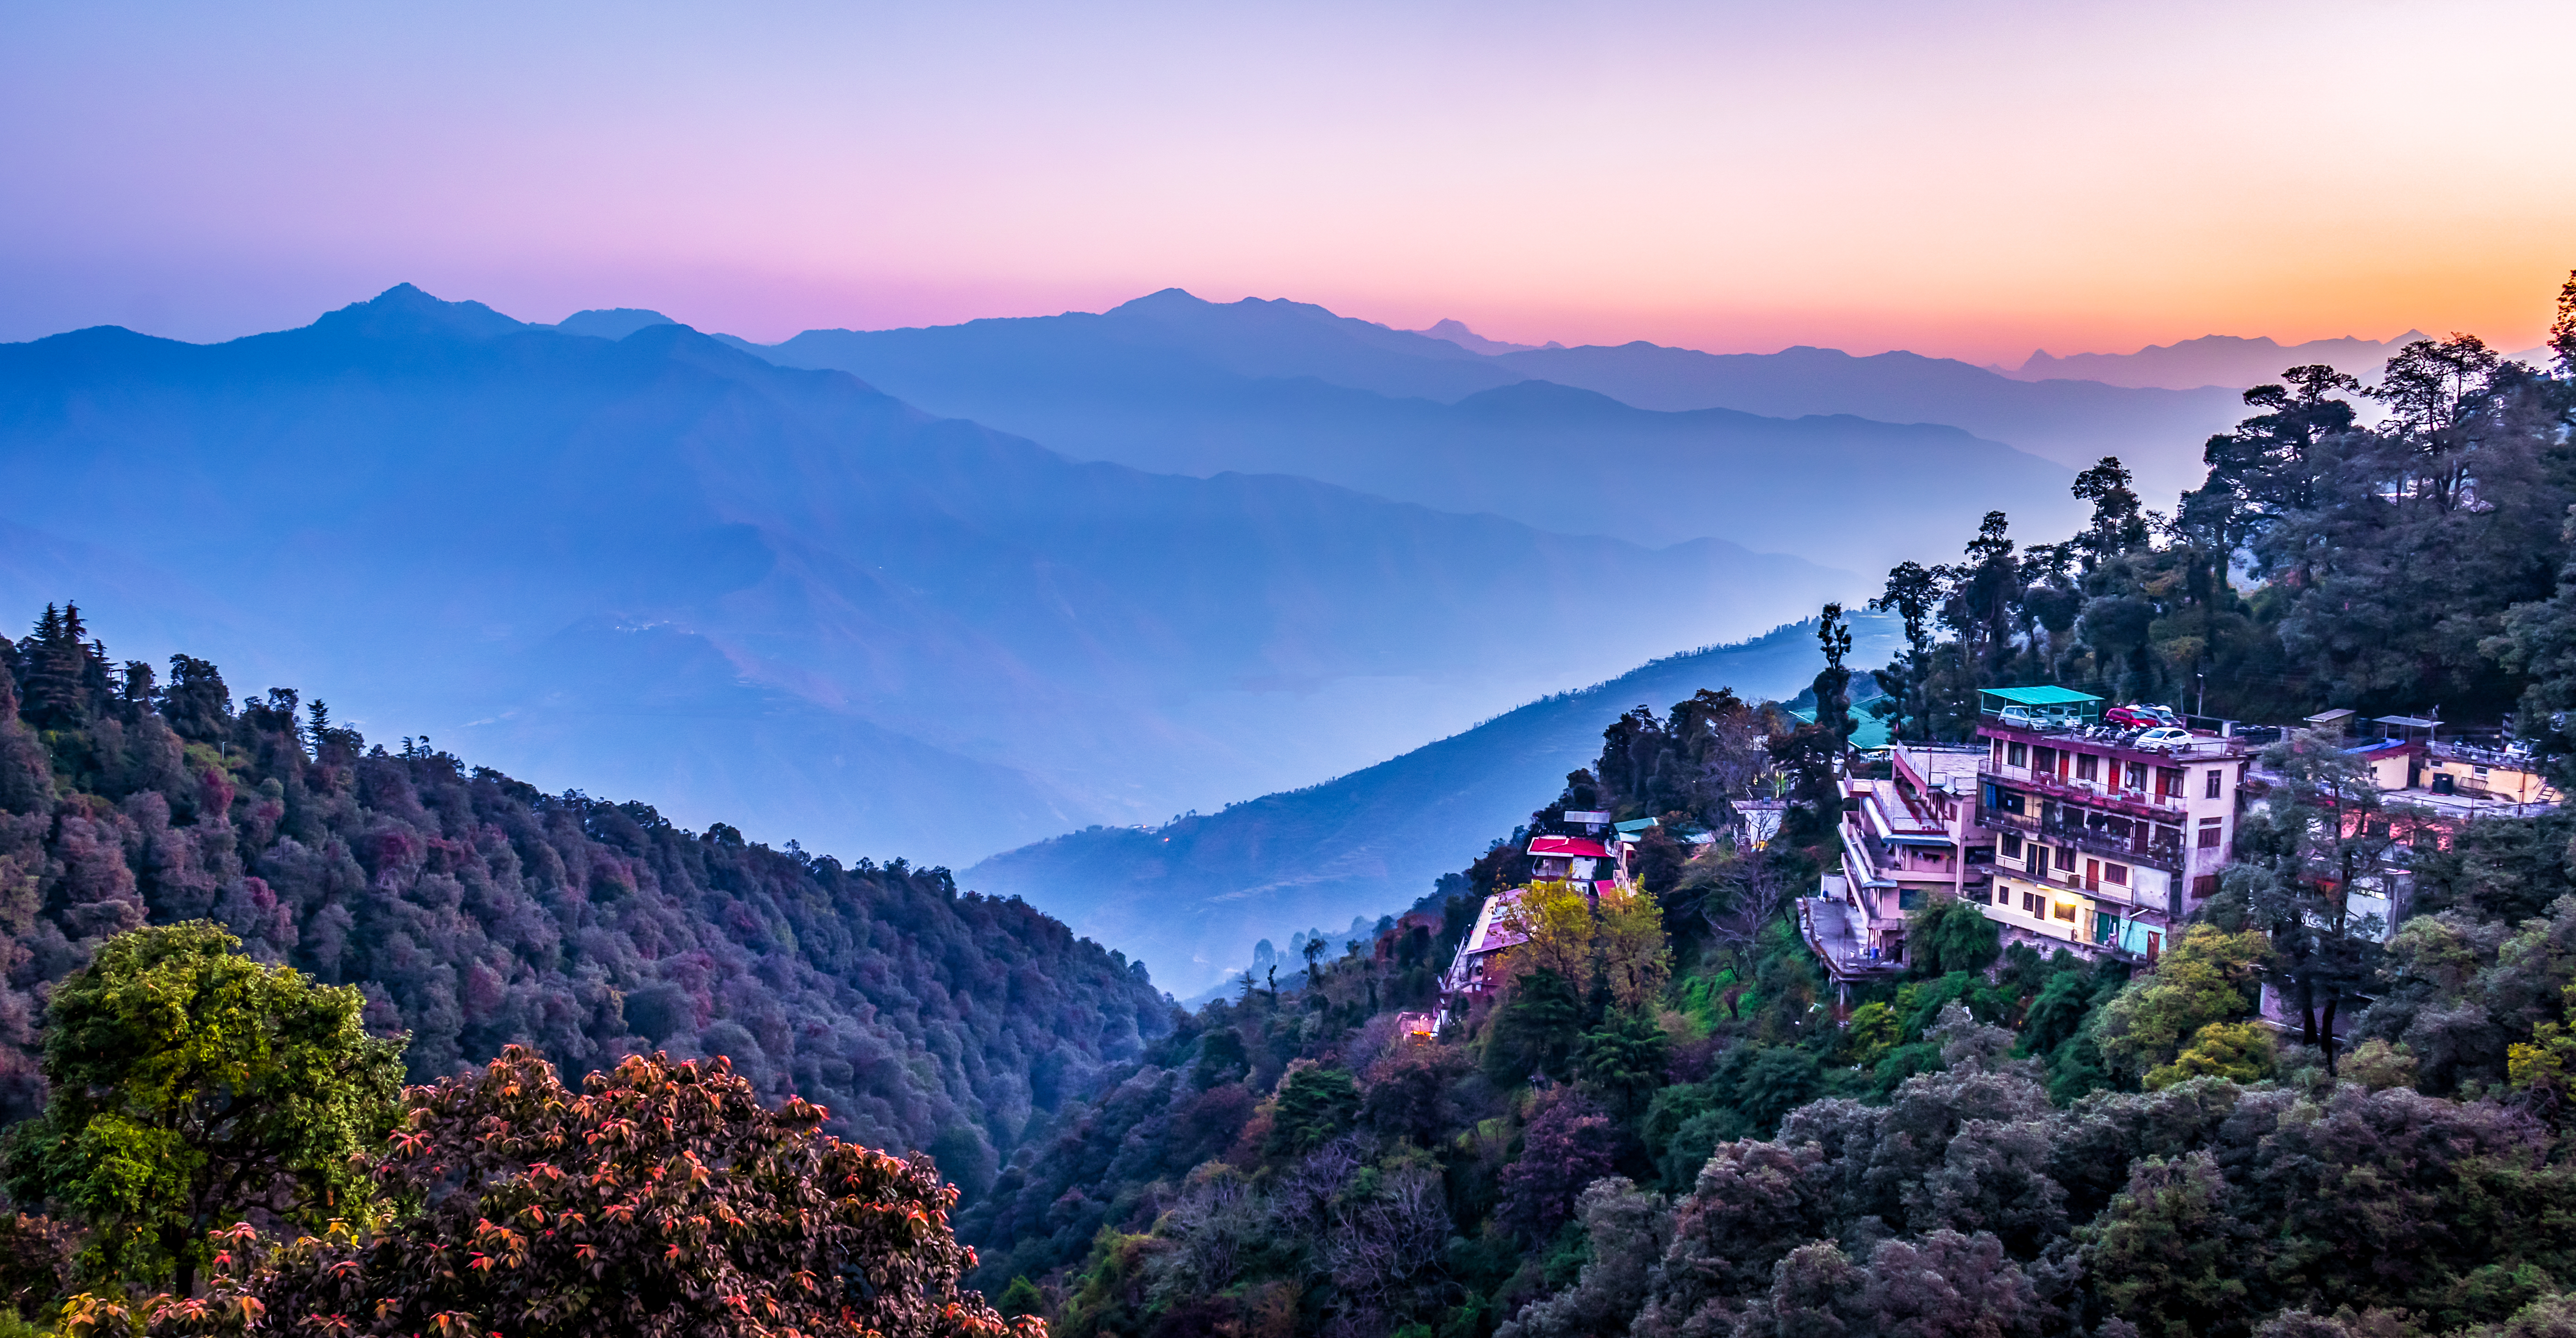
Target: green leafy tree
1626, 1060
1536, 1029
2237, 1051
2171, 1257
194, 1087
2208, 976
1315, 1106
2322, 840
2119, 518
1947, 934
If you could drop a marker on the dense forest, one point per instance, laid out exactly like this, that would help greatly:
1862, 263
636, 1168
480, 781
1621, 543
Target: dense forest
1996, 1143
474, 911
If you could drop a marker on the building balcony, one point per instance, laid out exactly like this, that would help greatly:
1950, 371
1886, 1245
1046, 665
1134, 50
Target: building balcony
2166, 807
2138, 848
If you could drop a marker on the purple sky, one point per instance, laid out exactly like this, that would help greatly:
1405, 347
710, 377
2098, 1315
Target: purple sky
1969, 179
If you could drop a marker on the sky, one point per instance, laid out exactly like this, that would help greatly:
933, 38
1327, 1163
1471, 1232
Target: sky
1969, 180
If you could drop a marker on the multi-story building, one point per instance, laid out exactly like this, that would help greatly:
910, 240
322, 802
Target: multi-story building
1907, 837
2103, 842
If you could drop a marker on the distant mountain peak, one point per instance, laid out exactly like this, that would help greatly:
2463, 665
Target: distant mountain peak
405, 312
612, 323
1456, 332
1162, 299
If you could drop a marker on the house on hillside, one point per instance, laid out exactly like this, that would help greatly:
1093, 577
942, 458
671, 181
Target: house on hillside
2104, 844
1571, 859
1472, 973
1598, 861
1906, 838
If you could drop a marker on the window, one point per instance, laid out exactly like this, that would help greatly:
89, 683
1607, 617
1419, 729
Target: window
1995, 751
2116, 873
2168, 782
2065, 911
2003, 895
2087, 767
2034, 905
2137, 775
1909, 899
2012, 846
2216, 779
2016, 754
2205, 885
2210, 835
2044, 761
2066, 859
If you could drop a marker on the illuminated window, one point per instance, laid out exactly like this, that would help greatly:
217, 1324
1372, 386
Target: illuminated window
2065, 911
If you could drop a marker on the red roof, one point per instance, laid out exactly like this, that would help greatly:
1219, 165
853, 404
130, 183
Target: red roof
1566, 845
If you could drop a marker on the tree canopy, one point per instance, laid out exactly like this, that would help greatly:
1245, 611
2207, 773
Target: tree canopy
193, 1088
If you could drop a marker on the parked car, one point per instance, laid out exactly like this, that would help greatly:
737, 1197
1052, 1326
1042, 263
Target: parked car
2135, 717
2163, 736
2024, 717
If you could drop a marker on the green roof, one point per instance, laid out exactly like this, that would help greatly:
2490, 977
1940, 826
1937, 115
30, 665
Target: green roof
2040, 696
1635, 824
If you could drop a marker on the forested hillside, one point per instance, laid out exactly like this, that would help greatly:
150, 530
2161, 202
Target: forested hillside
475, 911
1666, 1120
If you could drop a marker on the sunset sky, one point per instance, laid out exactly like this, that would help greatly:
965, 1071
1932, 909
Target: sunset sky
1973, 180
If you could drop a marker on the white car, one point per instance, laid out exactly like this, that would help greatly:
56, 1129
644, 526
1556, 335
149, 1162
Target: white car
2163, 737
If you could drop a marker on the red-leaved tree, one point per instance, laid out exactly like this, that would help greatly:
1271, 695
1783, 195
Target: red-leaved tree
663, 1200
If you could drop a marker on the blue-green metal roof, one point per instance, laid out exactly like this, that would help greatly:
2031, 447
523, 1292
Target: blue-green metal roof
1635, 824
2039, 696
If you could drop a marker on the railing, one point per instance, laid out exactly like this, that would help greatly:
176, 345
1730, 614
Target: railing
2112, 736
2166, 855
2049, 784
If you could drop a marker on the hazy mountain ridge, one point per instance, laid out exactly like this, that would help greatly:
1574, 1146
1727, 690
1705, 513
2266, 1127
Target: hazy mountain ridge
1169, 383
1372, 841
2226, 361
659, 565
2158, 433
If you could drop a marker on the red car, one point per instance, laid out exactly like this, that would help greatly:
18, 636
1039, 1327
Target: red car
2141, 717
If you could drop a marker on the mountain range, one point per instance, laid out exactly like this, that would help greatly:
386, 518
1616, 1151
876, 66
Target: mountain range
663, 567
1171, 382
2214, 360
